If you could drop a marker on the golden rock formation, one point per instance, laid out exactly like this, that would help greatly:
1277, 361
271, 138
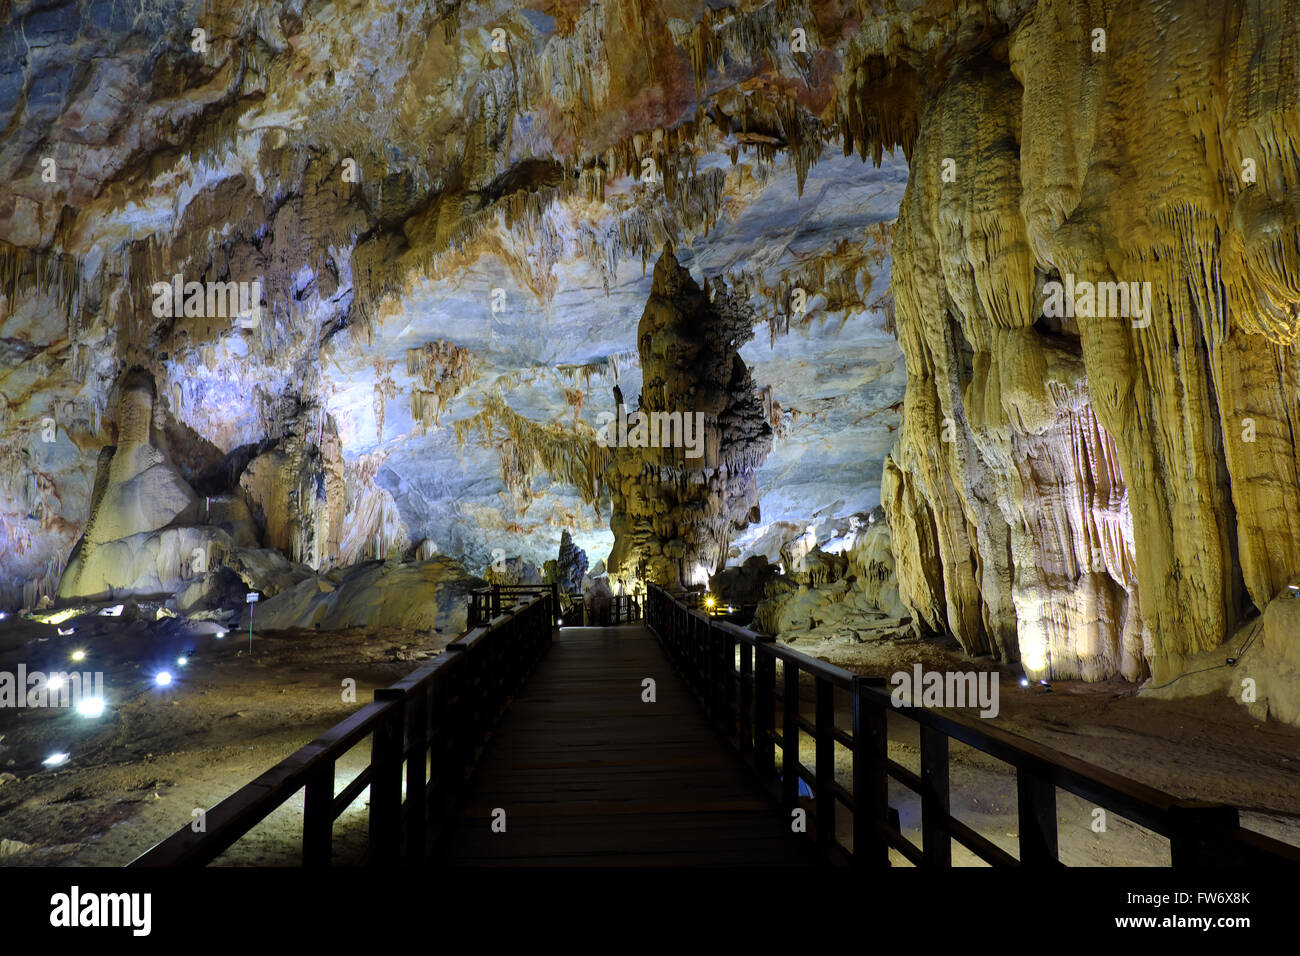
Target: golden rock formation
676, 507
1104, 490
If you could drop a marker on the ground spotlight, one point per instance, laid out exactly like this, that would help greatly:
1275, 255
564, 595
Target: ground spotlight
53, 760
182, 661
55, 682
162, 678
78, 656
1024, 682
91, 707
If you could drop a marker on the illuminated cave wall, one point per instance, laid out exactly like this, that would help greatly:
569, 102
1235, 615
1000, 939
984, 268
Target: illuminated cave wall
1102, 493
452, 245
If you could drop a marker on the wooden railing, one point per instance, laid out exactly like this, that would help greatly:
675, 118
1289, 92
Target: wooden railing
426, 731
744, 701
603, 612
497, 599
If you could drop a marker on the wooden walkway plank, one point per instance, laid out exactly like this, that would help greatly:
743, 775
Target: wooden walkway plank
590, 774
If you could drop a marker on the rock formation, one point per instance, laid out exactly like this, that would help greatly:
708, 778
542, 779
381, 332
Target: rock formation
138, 492
684, 480
1097, 470
571, 565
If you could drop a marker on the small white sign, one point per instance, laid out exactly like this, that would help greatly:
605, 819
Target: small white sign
252, 597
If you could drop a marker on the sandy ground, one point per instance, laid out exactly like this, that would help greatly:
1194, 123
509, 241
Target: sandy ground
138, 772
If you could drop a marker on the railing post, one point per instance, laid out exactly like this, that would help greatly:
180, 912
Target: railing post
765, 709
790, 735
416, 782
455, 714
496, 600
1036, 801
555, 604
870, 779
936, 842
717, 680
318, 816
1199, 834
825, 796
386, 779
746, 698
727, 647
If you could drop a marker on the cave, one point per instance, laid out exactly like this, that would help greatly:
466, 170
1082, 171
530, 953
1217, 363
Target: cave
922, 373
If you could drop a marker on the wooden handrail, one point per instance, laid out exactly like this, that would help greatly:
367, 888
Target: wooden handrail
439, 716
490, 602
744, 704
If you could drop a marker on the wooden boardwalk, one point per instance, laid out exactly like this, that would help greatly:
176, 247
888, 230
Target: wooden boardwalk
589, 774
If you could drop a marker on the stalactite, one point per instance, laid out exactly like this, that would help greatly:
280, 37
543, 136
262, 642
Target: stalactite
24, 271
527, 448
443, 370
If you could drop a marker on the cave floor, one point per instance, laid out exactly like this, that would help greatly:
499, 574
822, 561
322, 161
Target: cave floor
137, 774
140, 771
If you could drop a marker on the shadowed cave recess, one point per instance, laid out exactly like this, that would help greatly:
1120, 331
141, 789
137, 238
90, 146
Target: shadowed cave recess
955, 325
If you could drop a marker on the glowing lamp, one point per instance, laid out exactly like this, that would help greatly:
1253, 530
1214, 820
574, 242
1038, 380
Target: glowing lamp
65, 631
55, 682
91, 707
53, 760
78, 655
182, 660
162, 678
1024, 682
710, 602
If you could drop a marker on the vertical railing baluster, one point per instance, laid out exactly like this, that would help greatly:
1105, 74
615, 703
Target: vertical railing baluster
318, 816
764, 708
790, 735
746, 698
870, 778
1036, 799
825, 770
386, 779
416, 783
936, 841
